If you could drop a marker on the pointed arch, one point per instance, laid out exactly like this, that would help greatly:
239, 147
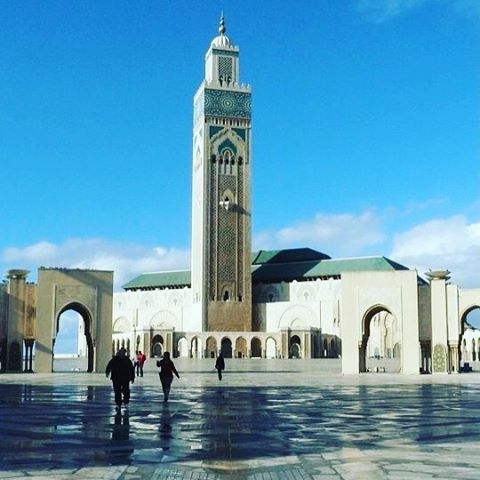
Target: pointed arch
226, 347
271, 347
240, 347
256, 347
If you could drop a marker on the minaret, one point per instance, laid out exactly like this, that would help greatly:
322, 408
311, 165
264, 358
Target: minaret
221, 215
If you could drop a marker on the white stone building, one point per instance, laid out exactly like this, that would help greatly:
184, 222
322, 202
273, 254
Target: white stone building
282, 304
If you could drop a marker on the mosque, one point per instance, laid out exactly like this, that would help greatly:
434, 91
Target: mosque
294, 303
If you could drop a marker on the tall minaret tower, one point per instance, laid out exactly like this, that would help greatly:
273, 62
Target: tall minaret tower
221, 231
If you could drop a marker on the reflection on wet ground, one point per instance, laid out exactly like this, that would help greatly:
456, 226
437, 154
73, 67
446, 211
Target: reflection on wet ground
322, 430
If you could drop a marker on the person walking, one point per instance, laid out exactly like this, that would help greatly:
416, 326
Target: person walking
167, 369
121, 371
141, 358
220, 365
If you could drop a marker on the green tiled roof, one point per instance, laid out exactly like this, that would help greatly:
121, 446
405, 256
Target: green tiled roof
274, 266
281, 272
329, 268
287, 256
177, 279
287, 272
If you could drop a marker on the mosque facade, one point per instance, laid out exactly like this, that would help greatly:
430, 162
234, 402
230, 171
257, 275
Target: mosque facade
293, 303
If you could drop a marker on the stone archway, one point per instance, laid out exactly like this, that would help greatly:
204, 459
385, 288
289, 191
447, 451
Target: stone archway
295, 347
86, 317
158, 346
195, 348
369, 322
89, 293
182, 347
241, 347
256, 347
211, 347
325, 348
367, 293
226, 347
271, 348
383, 348
467, 351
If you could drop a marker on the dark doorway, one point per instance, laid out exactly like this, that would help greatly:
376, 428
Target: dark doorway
256, 347
157, 346
226, 348
295, 347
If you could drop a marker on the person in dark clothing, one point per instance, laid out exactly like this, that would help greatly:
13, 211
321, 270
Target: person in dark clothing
220, 365
121, 371
167, 369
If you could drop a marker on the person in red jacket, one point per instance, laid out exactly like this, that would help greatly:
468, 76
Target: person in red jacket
167, 369
141, 357
121, 371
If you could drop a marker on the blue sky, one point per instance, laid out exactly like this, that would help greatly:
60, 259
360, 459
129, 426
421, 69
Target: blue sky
365, 129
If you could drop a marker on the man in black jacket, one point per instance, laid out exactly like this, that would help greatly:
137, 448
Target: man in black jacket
220, 365
121, 371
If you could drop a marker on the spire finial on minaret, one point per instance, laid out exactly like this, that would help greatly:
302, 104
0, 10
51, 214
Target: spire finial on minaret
221, 28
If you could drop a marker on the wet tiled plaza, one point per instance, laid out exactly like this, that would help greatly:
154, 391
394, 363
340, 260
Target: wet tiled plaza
266, 420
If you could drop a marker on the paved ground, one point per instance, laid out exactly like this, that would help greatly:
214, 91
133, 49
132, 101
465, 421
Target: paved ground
266, 420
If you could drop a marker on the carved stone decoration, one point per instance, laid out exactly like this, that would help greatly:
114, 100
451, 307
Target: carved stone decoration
439, 359
65, 294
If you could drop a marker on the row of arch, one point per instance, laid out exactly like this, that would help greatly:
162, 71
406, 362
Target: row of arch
198, 346
212, 346
227, 158
201, 346
470, 351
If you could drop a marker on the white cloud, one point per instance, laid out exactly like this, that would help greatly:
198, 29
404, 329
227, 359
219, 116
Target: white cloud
340, 234
447, 243
379, 11
33, 253
451, 243
126, 260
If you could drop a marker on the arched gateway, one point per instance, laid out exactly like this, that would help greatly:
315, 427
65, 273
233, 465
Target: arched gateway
89, 293
366, 294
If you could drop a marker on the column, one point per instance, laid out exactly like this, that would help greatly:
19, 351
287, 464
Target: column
454, 357
29, 355
362, 367
16, 319
438, 296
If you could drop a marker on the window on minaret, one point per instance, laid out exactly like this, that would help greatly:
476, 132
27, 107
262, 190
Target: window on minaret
226, 160
225, 67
